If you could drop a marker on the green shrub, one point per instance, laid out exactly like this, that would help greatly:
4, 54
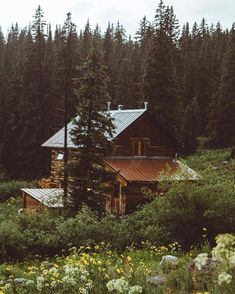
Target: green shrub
191, 212
13, 188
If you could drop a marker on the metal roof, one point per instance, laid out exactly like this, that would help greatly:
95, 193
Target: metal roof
52, 197
151, 170
121, 119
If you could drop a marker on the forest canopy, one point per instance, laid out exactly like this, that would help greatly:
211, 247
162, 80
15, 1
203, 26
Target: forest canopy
187, 75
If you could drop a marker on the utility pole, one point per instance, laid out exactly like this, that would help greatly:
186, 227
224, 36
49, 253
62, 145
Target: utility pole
66, 79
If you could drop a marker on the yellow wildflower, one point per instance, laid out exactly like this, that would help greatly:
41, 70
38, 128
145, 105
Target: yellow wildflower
129, 258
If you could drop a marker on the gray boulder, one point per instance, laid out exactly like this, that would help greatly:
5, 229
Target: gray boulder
156, 280
169, 260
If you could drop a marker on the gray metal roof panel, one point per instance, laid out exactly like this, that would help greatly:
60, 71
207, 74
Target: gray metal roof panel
52, 197
121, 119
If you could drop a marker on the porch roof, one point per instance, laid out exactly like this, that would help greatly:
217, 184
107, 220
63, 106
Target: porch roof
151, 169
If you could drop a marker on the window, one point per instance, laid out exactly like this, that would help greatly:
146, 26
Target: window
60, 156
140, 146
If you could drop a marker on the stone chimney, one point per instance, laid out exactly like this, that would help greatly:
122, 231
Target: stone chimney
109, 106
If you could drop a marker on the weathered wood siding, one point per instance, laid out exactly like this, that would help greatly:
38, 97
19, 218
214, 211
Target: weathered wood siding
31, 204
161, 144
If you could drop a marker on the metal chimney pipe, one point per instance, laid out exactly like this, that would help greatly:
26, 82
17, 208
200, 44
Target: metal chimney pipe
120, 107
109, 106
146, 105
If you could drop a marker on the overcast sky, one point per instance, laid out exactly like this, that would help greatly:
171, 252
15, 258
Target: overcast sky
128, 12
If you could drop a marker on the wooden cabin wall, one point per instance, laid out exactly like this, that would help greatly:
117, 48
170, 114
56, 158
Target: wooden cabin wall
145, 127
30, 203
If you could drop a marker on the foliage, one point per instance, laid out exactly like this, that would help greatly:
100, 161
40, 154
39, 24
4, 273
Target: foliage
92, 131
187, 208
87, 269
159, 78
10, 189
190, 214
98, 269
226, 102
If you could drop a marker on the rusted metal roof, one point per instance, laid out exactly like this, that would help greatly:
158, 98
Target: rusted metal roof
52, 197
121, 119
151, 170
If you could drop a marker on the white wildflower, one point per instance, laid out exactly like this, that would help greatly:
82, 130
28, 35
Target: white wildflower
225, 248
224, 278
135, 290
69, 280
7, 286
29, 282
119, 285
201, 260
83, 291
232, 259
39, 282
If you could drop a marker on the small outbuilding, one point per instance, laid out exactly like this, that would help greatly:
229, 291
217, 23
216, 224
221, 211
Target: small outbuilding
40, 199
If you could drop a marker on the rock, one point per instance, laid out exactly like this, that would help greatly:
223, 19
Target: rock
225, 162
156, 280
169, 260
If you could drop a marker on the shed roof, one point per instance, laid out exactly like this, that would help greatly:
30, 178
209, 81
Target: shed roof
151, 169
52, 197
121, 119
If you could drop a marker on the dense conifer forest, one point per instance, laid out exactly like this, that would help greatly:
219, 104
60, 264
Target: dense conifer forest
186, 74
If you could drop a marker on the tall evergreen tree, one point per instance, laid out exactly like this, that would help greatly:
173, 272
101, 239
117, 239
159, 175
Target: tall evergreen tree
159, 79
190, 127
219, 43
226, 103
3, 119
92, 131
86, 41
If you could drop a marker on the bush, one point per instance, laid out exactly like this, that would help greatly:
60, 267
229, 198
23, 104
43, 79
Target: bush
13, 188
190, 212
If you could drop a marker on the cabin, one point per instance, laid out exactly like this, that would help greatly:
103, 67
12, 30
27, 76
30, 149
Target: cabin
144, 153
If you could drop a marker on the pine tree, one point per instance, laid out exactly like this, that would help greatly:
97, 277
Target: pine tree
203, 79
190, 127
160, 79
66, 59
108, 55
219, 44
3, 120
226, 103
118, 56
86, 41
92, 130
33, 101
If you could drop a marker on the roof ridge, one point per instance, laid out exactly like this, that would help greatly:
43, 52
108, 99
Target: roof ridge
127, 110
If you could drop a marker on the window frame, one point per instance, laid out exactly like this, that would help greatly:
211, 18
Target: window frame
140, 146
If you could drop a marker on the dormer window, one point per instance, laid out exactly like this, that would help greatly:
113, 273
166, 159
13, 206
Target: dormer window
140, 146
